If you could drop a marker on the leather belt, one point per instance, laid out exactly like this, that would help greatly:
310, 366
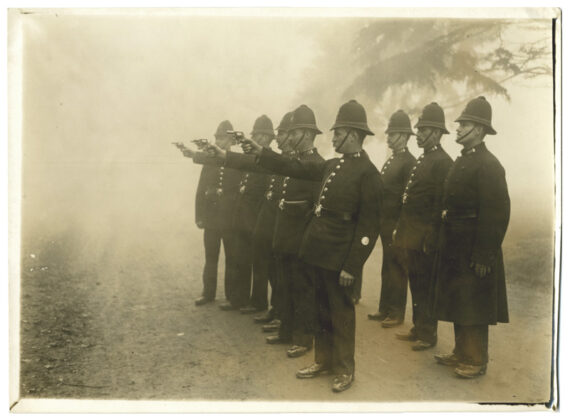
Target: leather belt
459, 215
331, 213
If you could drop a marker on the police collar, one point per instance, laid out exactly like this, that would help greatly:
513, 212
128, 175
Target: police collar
432, 149
354, 155
477, 148
401, 151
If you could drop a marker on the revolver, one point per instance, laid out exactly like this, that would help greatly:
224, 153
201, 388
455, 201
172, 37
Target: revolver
238, 136
201, 143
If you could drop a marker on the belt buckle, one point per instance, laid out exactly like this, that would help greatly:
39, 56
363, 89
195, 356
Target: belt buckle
282, 204
318, 210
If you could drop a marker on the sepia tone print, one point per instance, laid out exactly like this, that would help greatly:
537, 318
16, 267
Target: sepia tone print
283, 206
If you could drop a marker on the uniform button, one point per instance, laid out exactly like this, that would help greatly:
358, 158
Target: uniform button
333, 174
337, 167
273, 180
325, 189
329, 180
342, 160
322, 197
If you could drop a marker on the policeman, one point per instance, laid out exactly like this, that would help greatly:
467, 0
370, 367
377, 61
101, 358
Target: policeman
250, 197
395, 174
338, 239
470, 288
420, 216
215, 195
264, 258
298, 197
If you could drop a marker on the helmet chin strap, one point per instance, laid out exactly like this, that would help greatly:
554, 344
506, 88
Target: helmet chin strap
299, 141
428, 137
395, 141
465, 135
343, 141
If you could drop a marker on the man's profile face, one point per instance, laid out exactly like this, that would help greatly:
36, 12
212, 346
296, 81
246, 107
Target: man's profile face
466, 132
295, 135
340, 137
281, 139
397, 140
262, 139
427, 136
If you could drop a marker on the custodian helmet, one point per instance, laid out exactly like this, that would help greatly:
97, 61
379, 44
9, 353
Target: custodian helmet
304, 118
352, 115
263, 125
479, 111
224, 126
285, 123
432, 117
400, 123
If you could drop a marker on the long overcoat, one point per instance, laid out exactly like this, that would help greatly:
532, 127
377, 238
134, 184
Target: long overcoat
475, 218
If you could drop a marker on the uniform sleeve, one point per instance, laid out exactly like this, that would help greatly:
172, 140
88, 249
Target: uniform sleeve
200, 208
278, 164
204, 159
244, 162
367, 223
494, 213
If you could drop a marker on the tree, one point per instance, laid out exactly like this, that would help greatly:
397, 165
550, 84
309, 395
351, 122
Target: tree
407, 63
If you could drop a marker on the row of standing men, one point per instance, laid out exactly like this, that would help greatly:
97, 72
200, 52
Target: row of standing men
306, 226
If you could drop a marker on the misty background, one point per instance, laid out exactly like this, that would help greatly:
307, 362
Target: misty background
105, 95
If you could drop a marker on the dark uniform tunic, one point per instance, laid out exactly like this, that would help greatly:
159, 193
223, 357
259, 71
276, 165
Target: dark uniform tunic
395, 174
475, 218
215, 200
339, 236
264, 258
251, 192
264, 263
416, 233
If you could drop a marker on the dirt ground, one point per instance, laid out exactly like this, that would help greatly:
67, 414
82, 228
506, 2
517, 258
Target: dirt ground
123, 325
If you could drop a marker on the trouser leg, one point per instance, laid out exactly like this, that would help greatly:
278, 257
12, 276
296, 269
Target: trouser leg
324, 328
261, 271
342, 317
228, 239
303, 291
419, 270
286, 298
212, 242
243, 261
394, 290
474, 343
273, 277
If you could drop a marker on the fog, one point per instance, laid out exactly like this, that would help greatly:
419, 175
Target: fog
104, 97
